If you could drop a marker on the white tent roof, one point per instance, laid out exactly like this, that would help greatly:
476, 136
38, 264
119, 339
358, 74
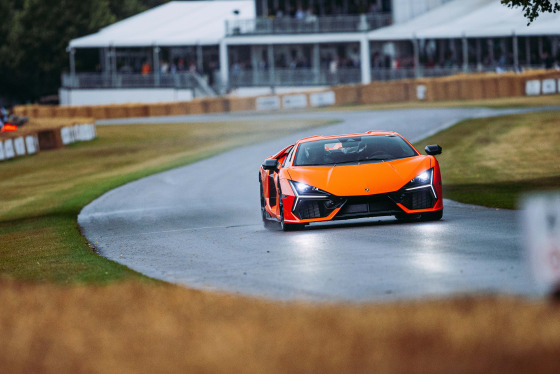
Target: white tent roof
203, 23
174, 23
470, 18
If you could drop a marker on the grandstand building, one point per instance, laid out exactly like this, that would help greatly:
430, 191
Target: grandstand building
186, 49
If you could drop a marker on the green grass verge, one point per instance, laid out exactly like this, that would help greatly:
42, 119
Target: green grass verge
41, 196
493, 161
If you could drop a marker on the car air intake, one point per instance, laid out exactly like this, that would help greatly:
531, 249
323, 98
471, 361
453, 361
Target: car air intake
418, 199
309, 209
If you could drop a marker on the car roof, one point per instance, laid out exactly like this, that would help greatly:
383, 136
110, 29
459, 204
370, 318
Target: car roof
367, 133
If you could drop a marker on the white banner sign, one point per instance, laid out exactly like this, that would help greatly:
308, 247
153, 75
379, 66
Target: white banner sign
322, 98
31, 144
541, 222
421, 92
2, 156
86, 132
294, 101
19, 146
533, 87
67, 135
549, 86
268, 103
9, 148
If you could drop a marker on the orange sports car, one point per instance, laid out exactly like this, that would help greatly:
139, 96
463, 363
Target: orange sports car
325, 178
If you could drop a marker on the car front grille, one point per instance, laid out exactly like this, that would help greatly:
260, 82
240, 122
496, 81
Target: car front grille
368, 206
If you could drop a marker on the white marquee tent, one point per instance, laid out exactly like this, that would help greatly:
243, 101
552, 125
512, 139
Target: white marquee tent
203, 23
471, 19
180, 23
176, 23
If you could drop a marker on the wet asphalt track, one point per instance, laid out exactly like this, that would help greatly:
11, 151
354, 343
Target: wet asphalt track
200, 226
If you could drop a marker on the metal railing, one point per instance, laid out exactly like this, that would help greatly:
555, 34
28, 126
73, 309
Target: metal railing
293, 77
313, 24
389, 74
129, 80
183, 80
326, 77
266, 78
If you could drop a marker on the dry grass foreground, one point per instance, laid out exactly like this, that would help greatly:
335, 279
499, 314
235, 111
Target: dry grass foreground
134, 328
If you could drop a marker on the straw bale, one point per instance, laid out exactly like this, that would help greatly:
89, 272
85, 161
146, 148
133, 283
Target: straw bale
237, 104
346, 94
159, 109
196, 107
98, 112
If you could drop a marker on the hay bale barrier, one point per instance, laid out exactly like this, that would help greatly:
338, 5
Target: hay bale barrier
44, 135
458, 87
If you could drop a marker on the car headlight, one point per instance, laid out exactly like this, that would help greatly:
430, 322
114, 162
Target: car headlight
423, 179
302, 189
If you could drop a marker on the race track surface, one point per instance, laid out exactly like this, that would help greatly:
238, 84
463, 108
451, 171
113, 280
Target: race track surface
200, 226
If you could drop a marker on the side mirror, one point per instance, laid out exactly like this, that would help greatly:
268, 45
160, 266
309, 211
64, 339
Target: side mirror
433, 150
270, 164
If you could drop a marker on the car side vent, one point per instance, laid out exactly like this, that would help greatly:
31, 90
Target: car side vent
272, 191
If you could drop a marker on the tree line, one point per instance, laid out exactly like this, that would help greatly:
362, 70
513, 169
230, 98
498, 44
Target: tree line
34, 35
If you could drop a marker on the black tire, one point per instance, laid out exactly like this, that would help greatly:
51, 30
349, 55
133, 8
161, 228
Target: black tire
432, 216
267, 223
416, 217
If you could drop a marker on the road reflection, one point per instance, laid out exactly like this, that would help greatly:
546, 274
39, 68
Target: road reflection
429, 257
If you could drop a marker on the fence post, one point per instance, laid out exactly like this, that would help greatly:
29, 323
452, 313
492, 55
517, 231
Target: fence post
365, 58
156, 66
224, 65
465, 54
416, 56
271, 72
515, 52
72, 55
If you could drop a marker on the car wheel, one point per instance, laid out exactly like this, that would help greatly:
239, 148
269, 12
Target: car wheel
432, 216
264, 214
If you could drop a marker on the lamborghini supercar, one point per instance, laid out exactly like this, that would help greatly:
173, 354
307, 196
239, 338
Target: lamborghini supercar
325, 178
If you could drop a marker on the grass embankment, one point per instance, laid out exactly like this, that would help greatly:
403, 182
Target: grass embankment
41, 196
493, 161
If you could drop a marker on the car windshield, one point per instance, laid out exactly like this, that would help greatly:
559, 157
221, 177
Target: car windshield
348, 150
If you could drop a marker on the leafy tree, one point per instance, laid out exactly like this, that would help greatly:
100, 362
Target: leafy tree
125, 8
7, 12
34, 35
38, 38
533, 8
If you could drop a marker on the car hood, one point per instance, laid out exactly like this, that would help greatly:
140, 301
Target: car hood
363, 179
